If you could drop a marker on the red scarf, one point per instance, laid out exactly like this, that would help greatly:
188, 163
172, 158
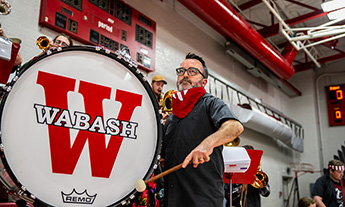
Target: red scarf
183, 102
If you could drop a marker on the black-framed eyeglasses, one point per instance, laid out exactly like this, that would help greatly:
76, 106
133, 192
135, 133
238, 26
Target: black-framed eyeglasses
190, 71
64, 44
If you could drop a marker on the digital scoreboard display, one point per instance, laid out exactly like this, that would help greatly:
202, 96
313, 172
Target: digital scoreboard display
108, 23
336, 104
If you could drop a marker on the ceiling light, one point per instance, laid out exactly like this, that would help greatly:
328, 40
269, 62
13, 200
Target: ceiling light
337, 6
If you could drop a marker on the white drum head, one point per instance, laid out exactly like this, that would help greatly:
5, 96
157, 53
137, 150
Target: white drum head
79, 128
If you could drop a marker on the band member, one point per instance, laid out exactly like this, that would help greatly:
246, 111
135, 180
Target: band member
60, 40
19, 59
157, 86
327, 190
195, 132
6, 66
246, 195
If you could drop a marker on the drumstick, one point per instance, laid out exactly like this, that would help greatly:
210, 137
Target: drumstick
140, 185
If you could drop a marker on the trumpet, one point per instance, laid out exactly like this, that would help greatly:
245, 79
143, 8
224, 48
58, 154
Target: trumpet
43, 43
5, 7
233, 143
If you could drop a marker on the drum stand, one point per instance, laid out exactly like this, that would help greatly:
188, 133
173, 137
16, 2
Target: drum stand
230, 175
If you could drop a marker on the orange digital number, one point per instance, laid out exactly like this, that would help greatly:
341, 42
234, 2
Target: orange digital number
338, 114
339, 94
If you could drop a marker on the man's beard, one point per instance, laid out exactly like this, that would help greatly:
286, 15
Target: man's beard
158, 92
185, 84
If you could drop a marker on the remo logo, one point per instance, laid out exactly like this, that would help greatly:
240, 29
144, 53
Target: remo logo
79, 128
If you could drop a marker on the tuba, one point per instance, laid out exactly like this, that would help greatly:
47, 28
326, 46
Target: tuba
166, 101
5, 7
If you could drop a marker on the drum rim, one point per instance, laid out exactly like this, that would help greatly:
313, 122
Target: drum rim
133, 69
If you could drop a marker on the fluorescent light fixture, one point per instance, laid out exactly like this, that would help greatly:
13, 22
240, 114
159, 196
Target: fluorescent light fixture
337, 14
334, 5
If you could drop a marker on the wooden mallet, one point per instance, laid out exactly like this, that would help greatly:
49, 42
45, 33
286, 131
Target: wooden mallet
140, 185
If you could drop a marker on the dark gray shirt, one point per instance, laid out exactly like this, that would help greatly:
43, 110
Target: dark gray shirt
201, 186
324, 188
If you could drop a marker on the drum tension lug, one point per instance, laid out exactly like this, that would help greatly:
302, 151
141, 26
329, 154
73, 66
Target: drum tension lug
6, 88
15, 78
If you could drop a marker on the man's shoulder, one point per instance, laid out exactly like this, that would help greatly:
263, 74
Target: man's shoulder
323, 178
209, 97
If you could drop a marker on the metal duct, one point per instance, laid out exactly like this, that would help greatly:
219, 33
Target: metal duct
258, 121
225, 20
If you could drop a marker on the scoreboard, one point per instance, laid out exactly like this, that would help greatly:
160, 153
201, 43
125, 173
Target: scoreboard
336, 104
111, 24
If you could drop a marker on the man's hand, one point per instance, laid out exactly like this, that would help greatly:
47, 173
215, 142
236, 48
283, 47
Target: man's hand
199, 155
227, 132
318, 201
165, 116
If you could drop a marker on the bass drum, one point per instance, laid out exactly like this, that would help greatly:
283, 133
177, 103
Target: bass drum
78, 128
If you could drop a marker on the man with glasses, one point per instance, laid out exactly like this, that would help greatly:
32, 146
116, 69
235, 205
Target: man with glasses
328, 188
61, 40
195, 133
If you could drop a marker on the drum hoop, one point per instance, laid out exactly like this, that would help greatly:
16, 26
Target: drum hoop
134, 70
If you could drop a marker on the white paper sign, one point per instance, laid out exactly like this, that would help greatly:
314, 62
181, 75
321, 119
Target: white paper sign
5, 48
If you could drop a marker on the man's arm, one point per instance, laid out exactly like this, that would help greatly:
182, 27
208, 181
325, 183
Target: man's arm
318, 201
18, 60
227, 132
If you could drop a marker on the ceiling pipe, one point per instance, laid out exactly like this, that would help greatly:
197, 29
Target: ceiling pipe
290, 53
226, 21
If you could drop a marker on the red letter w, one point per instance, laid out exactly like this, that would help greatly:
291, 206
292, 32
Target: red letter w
64, 155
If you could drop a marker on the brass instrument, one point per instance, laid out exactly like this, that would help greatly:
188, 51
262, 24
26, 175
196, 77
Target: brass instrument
5, 7
43, 43
261, 179
233, 143
166, 101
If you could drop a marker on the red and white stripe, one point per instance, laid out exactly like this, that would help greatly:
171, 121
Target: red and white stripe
333, 167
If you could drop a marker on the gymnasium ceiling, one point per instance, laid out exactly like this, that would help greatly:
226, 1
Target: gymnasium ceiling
296, 14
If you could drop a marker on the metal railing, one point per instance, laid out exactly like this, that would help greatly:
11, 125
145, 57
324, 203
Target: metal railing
232, 95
